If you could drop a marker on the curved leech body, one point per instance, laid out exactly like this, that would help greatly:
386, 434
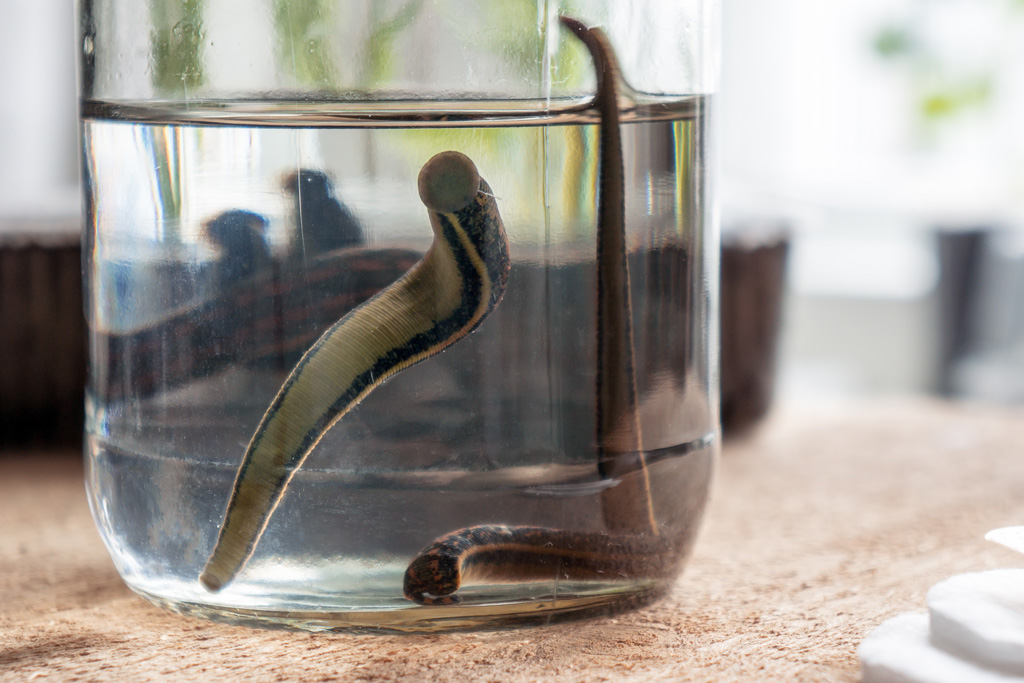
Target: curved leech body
523, 553
444, 297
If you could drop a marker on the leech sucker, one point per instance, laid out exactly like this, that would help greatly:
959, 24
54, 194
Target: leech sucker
439, 301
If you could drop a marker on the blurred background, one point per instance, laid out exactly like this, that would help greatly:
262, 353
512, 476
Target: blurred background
883, 138
889, 134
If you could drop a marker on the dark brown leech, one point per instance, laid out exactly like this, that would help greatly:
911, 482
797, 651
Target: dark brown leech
530, 553
522, 553
627, 506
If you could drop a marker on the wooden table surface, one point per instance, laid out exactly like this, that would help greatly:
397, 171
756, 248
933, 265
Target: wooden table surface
824, 523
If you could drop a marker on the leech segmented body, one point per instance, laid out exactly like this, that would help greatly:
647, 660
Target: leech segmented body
523, 553
634, 548
436, 303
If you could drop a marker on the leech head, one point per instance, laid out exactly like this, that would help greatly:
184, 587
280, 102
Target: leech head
448, 182
433, 577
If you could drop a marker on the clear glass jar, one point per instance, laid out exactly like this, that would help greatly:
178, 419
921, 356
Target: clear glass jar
251, 183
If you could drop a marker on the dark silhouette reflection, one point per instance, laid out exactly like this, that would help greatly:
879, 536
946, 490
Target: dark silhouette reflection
240, 237
264, 311
322, 222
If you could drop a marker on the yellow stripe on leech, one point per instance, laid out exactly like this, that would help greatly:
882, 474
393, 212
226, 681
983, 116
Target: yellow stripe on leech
311, 392
478, 264
304, 399
317, 389
305, 408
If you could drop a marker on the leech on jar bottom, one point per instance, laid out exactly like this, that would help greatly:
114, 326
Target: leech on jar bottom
523, 553
439, 301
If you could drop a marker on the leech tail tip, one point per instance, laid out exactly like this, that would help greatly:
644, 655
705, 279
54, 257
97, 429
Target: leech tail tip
210, 582
572, 24
448, 182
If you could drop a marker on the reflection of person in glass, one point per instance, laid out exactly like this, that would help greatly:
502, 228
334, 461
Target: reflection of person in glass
240, 236
322, 222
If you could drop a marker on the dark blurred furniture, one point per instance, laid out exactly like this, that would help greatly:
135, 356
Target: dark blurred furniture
960, 253
42, 333
43, 342
752, 287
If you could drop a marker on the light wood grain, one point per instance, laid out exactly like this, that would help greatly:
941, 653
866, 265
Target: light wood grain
824, 522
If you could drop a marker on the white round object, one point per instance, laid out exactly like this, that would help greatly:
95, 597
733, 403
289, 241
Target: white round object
980, 617
1011, 536
900, 651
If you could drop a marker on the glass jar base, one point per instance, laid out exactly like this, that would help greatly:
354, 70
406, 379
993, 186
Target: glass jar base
497, 615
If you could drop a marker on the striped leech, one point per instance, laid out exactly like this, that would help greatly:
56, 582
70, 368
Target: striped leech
634, 548
438, 302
